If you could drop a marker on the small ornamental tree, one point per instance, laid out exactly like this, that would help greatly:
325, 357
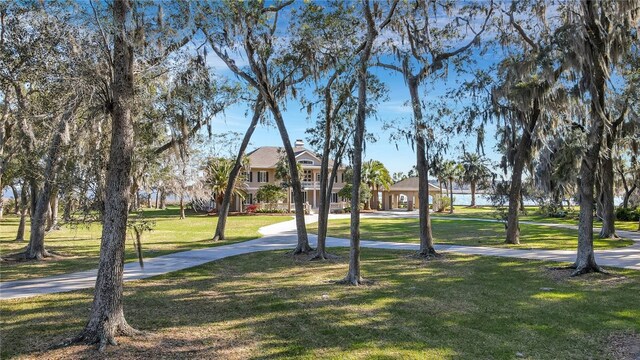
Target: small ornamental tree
271, 194
365, 193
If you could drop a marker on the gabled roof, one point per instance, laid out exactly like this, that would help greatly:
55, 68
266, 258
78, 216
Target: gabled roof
268, 156
411, 184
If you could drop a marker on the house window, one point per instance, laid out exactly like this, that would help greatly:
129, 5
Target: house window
307, 175
263, 177
342, 177
318, 177
305, 162
334, 197
250, 198
250, 176
304, 196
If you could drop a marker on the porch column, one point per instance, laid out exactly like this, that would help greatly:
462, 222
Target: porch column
384, 201
314, 198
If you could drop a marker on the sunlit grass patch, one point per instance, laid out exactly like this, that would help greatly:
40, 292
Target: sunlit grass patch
271, 304
80, 245
466, 232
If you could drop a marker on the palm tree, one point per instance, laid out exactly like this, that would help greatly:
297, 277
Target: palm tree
217, 173
475, 170
452, 171
375, 175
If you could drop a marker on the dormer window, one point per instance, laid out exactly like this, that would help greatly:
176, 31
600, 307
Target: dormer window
305, 162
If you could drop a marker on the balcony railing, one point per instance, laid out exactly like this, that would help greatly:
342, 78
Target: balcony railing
310, 184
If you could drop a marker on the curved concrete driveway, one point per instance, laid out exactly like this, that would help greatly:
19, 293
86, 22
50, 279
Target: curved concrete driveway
283, 236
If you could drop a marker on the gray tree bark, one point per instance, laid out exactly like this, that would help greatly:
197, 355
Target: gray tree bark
106, 319
303, 246
24, 204
585, 258
607, 198
327, 178
53, 212
426, 237
223, 210
353, 275
182, 214
515, 191
16, 205
163, 199
36, 249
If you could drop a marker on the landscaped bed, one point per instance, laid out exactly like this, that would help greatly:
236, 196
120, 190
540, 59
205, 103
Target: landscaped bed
271, 304
466, 232
80, 245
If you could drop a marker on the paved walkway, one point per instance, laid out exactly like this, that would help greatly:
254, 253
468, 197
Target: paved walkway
283, 236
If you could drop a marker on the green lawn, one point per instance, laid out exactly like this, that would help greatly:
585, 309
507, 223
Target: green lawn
465, 232
81, 245
488, 212
272, 305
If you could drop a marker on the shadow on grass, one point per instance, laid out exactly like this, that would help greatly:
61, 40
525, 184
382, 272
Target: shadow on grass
266, 305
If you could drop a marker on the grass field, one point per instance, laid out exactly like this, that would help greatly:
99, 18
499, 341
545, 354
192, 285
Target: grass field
487, 212
81, 245
465, 232
272, 305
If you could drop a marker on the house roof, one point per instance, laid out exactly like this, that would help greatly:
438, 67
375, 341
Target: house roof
411, 184
268, 156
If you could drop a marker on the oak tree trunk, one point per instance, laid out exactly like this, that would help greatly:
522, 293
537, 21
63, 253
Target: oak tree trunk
606, 196
53, 214
223, 209
303, 246
627, 195
182, 215
106, 319
36, 249
163, 199
521, 156
326, 180
24, 204
16, 205
353, 275
68, 208
585, 258
607, 199
426, 237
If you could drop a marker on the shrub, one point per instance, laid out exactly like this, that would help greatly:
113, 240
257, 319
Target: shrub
271, 211
628, 214
552, 210
271, 194
9, 205
251, 208
445, 203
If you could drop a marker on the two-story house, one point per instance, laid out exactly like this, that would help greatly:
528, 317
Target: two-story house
262, 170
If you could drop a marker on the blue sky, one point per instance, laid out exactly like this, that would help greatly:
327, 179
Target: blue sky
396, 156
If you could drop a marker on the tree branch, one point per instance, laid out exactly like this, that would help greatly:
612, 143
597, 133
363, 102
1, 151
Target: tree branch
522, 33
276, 8
388, 66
